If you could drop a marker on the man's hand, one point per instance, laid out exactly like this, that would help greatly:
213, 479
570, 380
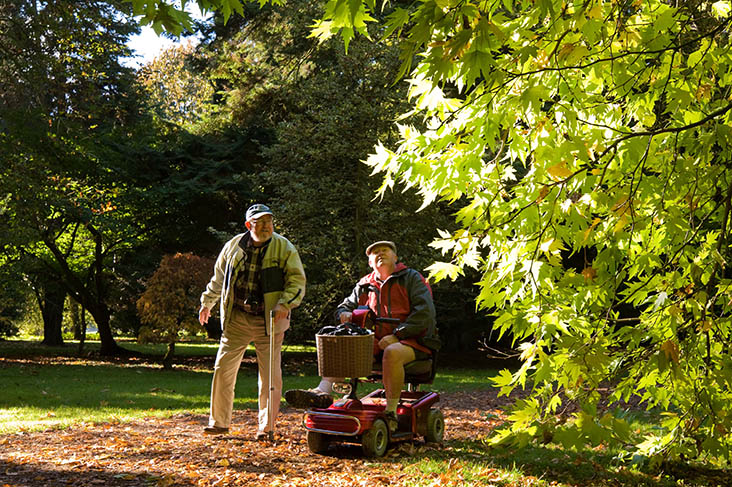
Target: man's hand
346, 317
280, 312
203, 315
388, 340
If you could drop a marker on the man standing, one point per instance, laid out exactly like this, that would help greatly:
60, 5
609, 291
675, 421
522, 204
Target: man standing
395, 291
257, 272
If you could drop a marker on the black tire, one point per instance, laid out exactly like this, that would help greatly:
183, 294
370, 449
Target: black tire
375, 440
318, 442
435, 426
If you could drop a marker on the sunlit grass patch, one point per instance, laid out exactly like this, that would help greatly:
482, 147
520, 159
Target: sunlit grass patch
58, 395
431, 471
14, 420
456, 380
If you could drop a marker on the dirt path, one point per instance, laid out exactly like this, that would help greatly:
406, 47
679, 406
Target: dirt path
174, 452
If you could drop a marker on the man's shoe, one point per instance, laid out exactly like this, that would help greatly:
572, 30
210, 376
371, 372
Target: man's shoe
262, 436
308, 398
215, 430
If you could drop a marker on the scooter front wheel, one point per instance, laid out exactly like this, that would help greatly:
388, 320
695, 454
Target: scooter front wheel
375, 440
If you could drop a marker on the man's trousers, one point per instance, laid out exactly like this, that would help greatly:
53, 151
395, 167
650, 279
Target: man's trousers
241, 330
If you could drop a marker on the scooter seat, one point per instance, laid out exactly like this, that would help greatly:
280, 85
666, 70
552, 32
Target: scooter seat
418, 367
415, 372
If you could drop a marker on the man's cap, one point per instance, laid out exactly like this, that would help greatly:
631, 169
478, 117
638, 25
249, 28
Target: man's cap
257, 210
388, 243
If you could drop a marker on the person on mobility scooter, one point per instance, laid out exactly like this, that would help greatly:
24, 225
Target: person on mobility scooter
394, 293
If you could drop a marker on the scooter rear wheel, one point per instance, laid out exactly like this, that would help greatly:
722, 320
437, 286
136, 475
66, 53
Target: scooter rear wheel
435, 426
375, 440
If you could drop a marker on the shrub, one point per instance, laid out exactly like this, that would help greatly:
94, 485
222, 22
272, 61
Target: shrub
168, 306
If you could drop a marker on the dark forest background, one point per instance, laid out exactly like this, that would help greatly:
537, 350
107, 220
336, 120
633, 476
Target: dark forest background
105, 169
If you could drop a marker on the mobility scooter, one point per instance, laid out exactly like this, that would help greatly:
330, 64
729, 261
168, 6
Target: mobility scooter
363, 421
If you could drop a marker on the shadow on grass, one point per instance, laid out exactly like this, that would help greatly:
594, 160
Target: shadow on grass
88, 385
195, 356
480, 464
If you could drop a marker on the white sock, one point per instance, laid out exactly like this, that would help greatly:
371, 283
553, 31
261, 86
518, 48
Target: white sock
325, 386
391, 404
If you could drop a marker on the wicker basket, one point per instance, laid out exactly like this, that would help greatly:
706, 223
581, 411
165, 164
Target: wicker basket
348, 356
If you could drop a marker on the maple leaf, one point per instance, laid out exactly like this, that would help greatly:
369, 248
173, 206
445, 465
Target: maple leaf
589, 274
559, 172
671, 350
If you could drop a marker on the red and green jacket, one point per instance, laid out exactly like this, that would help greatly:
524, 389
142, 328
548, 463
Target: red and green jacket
404, 295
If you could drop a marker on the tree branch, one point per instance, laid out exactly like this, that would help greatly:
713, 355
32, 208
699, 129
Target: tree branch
669, 130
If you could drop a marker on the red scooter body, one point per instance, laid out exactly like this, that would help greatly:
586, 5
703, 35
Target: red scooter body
363, 421
354, 420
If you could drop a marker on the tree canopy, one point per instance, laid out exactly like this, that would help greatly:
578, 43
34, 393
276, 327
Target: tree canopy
174, 91
97, 180
586, 147
317, 110
63, 96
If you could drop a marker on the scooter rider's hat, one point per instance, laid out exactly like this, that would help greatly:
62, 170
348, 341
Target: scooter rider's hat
388, 243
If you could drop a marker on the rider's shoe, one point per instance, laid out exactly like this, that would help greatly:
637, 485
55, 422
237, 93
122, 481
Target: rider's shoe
308, 398
391, 421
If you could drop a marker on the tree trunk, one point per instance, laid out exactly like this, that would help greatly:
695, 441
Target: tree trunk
91, 293
75, 319
51, 298
168, 359
82, 330
100, 313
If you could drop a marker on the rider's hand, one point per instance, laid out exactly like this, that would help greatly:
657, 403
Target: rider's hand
346, 317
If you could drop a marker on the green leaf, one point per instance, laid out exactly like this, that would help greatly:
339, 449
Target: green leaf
569, 438
503, 378
347, 34
322, 30
441, 270
396, 21
665, 20
554, 403
721, 9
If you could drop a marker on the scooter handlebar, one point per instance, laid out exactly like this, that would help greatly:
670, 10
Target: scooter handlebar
393, 321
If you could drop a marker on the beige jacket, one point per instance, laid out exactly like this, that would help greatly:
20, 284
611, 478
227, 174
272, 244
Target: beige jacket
282, 275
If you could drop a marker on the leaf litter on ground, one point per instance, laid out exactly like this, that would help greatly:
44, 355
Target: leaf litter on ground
175, 452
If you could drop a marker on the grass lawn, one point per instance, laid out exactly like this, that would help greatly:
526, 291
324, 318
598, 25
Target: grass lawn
53, 387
